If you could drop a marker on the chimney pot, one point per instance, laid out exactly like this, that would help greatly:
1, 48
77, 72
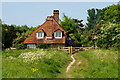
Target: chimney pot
56, 10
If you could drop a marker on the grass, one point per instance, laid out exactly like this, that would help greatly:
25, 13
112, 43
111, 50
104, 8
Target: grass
74, 71
33, 63
0, 65
94, 63
97, 63
49, 63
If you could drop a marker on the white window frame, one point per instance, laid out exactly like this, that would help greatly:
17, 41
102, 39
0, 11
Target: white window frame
55, 35
48, 37
40, 37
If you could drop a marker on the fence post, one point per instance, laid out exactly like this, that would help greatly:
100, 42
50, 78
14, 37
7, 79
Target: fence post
71, 50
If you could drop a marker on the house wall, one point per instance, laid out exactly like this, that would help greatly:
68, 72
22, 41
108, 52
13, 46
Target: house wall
49, 45
31, 46
56, 45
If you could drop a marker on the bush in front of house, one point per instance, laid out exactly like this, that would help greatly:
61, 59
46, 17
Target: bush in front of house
42, 46
20, 46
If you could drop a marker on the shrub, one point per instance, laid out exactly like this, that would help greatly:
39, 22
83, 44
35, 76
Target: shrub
110, 36
20, 46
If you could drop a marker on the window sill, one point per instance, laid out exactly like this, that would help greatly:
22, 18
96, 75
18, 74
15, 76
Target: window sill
58, 38
40, 38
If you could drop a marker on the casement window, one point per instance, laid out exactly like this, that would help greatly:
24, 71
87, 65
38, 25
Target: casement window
40, 35
31, 46
58, 35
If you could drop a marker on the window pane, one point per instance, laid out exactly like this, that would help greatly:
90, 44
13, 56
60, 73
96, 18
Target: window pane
58, 34
40, 34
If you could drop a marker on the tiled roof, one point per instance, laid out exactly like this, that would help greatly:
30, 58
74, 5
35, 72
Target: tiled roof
49, 27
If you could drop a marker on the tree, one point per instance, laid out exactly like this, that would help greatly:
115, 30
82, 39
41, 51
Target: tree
110, 14
23, 28
79, 22
93, 15
22, 34
103, 27
72, 27
109, 36
8, 34
109, 30
0, 34
68, 24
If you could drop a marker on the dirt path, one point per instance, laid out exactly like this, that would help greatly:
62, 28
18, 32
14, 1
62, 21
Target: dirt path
75, 69
70, 63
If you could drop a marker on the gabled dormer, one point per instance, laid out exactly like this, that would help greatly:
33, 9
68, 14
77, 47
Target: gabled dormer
58, 34
40, 34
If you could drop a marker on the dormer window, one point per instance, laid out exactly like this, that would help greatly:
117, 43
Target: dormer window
40, 35
58, 35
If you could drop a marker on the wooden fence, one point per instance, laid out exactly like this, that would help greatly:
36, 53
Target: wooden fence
75, 49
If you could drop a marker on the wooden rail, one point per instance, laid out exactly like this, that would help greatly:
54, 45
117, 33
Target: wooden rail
75, 49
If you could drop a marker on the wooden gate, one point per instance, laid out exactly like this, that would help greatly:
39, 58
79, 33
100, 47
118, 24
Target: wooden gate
74, 49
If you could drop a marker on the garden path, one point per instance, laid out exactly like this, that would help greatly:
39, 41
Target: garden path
70, 63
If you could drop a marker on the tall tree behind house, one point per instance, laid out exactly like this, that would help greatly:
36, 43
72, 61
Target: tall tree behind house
93, 15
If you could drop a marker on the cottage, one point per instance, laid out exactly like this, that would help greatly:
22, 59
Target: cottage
50, 32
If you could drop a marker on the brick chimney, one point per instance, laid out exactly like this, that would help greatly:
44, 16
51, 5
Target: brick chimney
56, 15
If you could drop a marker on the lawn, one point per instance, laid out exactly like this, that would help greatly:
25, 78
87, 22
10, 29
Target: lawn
0, 65
96, 63
33, 63
51, 63
103, 63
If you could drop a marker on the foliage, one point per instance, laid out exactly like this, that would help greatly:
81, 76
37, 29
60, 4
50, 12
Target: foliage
20, 46
33, 63
105, 30
110, 36
72, 27
23, 34
0, 34
13, 35
93, 15
69, 24
8, 34
110, 14
21, 37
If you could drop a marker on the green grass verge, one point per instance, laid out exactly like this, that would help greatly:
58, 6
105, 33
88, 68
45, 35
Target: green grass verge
0, 65
33, 63
48, 63
94, 63
100, 63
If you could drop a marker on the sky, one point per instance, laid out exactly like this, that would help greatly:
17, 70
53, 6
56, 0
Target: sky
35, 13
